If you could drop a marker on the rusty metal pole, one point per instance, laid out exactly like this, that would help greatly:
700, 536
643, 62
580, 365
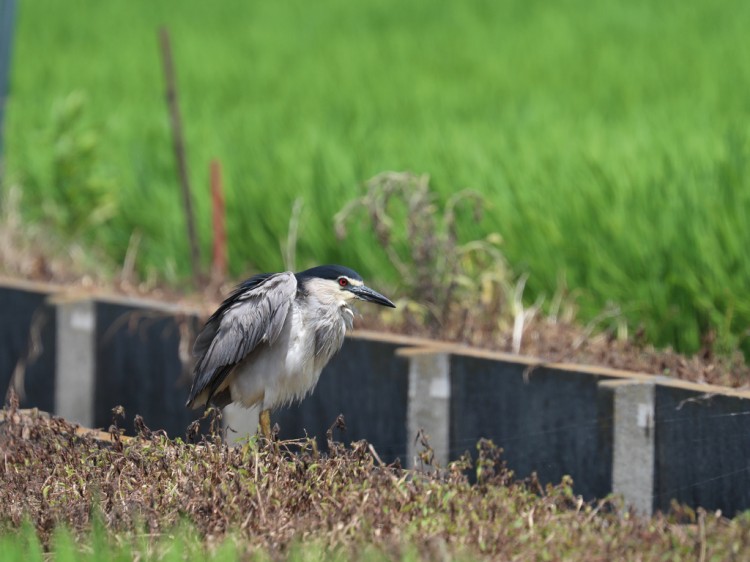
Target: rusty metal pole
179, 151
219, 261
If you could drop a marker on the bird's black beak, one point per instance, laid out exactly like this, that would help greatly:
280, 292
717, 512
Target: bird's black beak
367, 294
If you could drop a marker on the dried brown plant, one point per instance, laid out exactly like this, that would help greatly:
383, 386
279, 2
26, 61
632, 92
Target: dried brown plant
453, 287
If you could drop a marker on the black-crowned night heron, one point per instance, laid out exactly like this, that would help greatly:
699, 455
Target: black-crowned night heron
269, 340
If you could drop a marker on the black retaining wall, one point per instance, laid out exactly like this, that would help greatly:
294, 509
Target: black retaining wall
27, 335
548, 421
138, 366
366, 383
702, 450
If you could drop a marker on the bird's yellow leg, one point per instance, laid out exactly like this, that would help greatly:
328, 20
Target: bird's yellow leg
265, 424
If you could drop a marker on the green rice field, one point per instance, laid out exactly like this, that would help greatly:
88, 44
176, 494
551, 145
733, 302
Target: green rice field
610, 140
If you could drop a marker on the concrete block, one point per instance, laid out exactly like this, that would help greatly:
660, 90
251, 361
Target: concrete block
634, 443
429, 406
75, 371
239, 422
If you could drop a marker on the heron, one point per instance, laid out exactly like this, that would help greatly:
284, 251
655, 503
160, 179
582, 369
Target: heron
268, 342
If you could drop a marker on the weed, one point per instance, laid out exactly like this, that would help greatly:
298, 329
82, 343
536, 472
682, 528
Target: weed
153, 498
453, 288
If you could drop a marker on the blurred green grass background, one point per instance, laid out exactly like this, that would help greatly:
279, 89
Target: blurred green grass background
610, 139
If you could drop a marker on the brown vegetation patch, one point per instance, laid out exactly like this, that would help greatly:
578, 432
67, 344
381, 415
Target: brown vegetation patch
567, 342
273, 496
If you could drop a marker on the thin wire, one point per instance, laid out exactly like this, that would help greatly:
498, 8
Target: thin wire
672, 491
457, 444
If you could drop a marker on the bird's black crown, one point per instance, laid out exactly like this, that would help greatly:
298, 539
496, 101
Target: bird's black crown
332, 272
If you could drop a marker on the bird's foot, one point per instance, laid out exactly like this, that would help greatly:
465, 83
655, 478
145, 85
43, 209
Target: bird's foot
265, 424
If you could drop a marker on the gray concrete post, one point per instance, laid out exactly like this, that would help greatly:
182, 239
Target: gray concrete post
75, 369
429, 405
240, 422
633, 447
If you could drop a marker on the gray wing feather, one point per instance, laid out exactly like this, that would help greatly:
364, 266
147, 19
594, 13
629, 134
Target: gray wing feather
251, 317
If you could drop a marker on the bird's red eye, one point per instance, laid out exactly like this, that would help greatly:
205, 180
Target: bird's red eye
343, 282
